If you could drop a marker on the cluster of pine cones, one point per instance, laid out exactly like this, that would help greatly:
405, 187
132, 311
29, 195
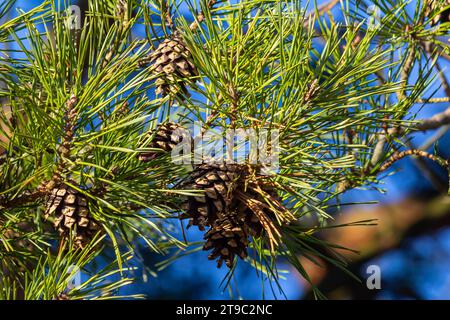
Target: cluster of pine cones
172, 65
223, 207
228, 205
70, 211
224, 203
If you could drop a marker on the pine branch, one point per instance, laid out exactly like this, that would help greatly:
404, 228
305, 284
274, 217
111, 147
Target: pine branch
414, 152
256, 66
379, 150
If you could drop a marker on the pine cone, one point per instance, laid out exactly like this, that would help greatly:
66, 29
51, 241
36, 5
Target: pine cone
72, 218
121, 8
218, 182
164, 138
172, 61
226, 238
249, 220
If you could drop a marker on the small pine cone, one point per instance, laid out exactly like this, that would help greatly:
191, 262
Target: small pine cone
172, 61
166, 137
226, 238
72, 218
218, 182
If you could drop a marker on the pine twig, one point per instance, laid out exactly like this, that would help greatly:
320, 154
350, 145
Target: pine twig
412, 152
406, 70
383, 137
433, 100
201, 17
444, 82
440, 119
379, 147
346, 184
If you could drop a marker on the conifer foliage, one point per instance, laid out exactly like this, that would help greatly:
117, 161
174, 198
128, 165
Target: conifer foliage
90, 116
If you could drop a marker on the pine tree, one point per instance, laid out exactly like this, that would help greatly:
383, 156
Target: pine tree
90, 116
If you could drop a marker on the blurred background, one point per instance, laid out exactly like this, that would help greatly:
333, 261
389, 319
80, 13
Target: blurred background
410, 243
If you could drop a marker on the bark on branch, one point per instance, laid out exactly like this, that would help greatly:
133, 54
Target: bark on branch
436, 121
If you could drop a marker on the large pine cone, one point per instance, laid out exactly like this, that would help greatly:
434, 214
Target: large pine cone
172, 61
227, 238
165, 138
72, 218
121, 8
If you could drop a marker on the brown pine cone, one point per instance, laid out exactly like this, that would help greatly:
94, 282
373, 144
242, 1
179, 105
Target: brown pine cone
71, 215
165, 138
172, 62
